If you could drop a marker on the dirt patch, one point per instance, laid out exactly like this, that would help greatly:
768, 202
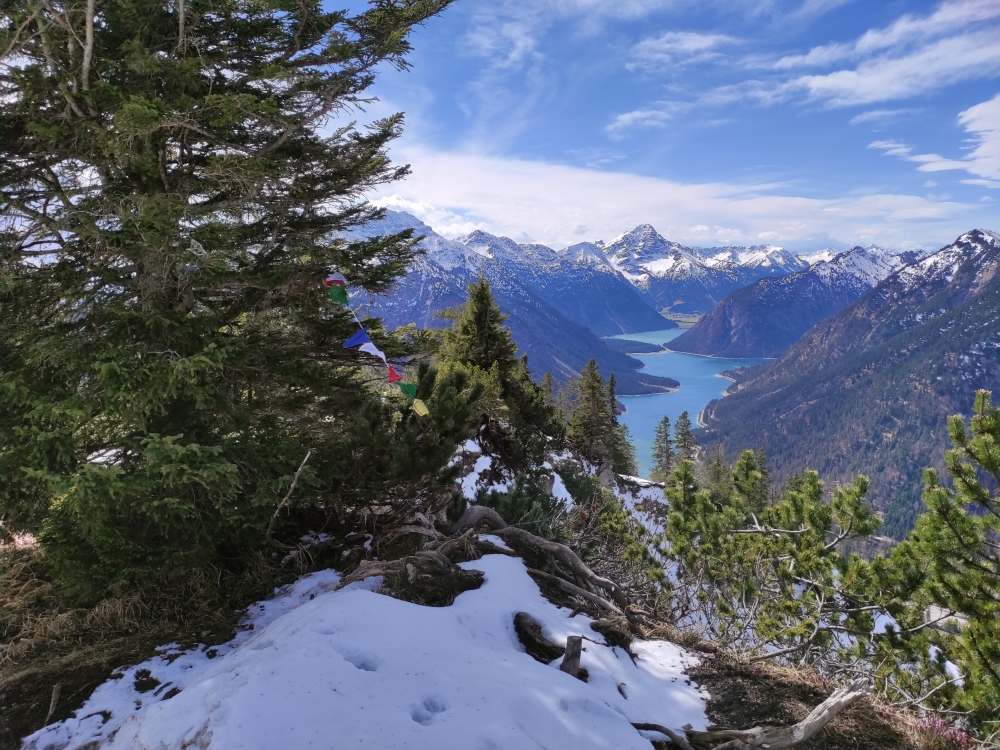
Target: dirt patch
749, 695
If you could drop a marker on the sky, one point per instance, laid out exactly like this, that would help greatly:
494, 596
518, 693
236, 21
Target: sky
800, 123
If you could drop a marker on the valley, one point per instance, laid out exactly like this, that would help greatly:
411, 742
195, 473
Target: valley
700, 381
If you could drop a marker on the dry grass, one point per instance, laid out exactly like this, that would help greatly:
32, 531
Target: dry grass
44, 643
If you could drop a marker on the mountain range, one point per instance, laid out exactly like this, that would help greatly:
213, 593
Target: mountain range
561, 302
869, 389
689, 280
768, 316
558, 306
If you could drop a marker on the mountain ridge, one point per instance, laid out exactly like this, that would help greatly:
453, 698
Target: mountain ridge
766, 317
869, 389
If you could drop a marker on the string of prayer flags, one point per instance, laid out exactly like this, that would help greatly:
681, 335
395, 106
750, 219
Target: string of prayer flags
338, 294
361, 337
370, 348
336, 289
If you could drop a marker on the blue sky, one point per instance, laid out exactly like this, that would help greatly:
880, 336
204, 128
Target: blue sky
802, 123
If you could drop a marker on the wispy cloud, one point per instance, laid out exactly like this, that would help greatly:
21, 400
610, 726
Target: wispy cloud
915, 55
884, 78
907, 31
558, 204
678, 47
982, 123
880, 115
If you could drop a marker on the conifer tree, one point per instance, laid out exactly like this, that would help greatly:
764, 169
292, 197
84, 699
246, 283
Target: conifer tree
518, 421
663, 451
687, 446
175, 182
957, 543
590, 427
548, 386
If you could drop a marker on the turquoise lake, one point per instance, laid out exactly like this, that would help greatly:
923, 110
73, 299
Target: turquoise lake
700, 383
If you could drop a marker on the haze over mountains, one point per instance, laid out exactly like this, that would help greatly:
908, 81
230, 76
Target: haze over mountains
768, 316
869, 389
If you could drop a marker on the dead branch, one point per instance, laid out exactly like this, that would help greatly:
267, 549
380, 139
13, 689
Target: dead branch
776, 738
575, 590
427, 577
270, 527
677, 739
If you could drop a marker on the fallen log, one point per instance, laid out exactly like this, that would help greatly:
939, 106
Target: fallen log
427, 577
575, 590
777, 738
529, 633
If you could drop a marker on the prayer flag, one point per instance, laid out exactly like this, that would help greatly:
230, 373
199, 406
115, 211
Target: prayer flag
335, 279
338, 294
394, 377
361, 337
370, 348
410, 389
420, 408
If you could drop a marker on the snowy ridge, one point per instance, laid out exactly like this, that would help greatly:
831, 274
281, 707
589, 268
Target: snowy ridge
865, 266
944, 264
355, 668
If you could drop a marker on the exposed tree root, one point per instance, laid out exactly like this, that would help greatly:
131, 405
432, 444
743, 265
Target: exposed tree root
427, 577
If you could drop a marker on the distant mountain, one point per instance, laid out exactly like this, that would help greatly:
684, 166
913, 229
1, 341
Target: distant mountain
555, 303
869, 389
686, 279
768, 316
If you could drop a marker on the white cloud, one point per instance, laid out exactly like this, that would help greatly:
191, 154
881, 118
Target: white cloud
550, 203
446, 223
982, 122
906, 31
884, 78
678, 47
879, 115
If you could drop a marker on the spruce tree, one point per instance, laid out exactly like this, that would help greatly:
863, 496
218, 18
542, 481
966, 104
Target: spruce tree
518, 420
590, 426
663, 451
175, 182
687, 446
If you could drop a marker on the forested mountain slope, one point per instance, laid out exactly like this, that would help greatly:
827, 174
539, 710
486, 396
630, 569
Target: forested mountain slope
768, 316
869, 389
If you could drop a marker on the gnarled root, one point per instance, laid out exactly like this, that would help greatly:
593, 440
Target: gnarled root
427, 577
525, 541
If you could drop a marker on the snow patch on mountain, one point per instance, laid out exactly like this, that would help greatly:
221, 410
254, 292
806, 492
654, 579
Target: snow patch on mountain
356, 668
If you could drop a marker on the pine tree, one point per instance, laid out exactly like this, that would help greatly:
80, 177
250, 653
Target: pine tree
175, 183
518, 420
478, 336
663, 451
590, 427
687, 446
752, 481
956, 543
548, 386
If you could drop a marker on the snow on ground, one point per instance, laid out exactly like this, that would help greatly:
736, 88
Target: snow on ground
635, 492
358, 669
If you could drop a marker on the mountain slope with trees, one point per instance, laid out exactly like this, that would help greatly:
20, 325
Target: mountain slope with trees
869, 390
768, 316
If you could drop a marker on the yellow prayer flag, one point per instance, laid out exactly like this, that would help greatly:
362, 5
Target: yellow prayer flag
420, 408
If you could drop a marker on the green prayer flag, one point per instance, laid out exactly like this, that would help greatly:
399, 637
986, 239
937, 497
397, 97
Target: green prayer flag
338, 294
410, 389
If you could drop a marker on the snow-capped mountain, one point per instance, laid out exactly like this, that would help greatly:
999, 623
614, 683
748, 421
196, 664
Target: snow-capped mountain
768, 316
558, 306
869, 389
686, 279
